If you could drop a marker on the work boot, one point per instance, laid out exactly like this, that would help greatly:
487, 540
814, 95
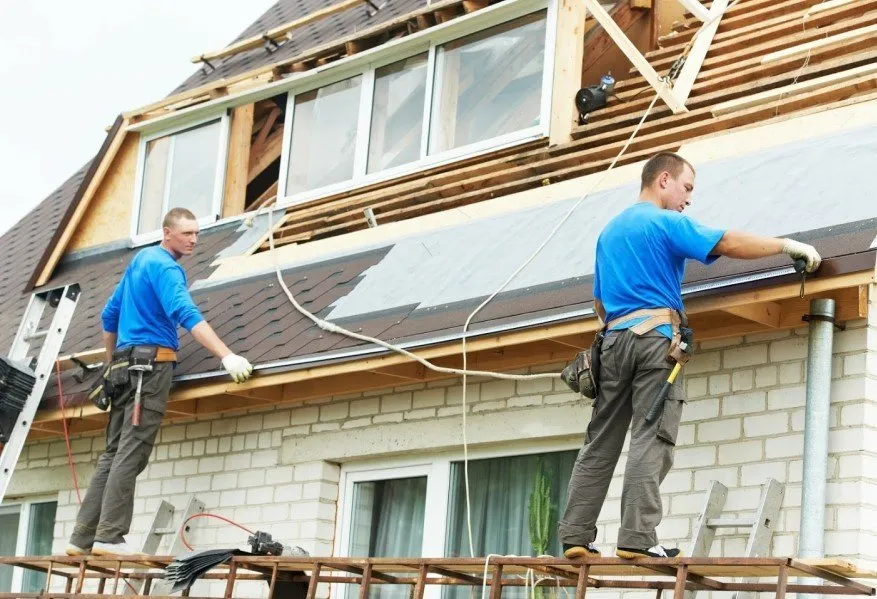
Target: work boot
656, 551
577, 551
113, 549
75, 550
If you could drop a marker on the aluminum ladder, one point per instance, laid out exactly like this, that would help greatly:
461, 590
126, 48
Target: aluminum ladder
761, 524
63, 300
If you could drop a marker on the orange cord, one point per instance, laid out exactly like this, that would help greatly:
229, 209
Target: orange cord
66, 432
207, 515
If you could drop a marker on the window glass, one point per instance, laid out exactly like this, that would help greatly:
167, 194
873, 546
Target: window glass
387, 521
516, 503
397, 113
180, 171
39, 542
488, 84
8, 540
324, 131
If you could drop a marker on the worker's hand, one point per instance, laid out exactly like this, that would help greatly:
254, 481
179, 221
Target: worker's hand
238, 367
796, 249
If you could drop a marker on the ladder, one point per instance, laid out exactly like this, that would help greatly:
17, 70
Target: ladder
63, 300
761, 524
161, 526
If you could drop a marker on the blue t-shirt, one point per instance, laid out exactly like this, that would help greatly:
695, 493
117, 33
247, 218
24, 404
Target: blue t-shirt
150, 302
641, 258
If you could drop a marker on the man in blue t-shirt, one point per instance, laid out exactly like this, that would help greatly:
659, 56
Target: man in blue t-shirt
140, 323
640, 264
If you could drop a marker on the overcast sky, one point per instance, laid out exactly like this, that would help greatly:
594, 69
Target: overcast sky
69, 67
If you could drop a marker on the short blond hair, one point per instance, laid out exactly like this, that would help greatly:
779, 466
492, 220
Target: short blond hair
175, 215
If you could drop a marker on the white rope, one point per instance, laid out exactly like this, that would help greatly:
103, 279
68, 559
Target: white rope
511, 277
334, 328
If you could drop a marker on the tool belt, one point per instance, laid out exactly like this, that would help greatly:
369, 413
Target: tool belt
680, 342
117, 375
582, 375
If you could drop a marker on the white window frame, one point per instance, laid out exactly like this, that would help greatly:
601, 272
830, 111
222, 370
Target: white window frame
218, 182
429, 44
23, 508
437, 469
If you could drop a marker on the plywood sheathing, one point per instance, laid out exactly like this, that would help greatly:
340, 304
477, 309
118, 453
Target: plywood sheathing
732, 69
109, 213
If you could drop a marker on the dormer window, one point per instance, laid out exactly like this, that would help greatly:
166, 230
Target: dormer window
454, 96
185, 169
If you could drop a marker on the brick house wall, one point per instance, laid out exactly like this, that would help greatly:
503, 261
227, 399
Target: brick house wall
279, 469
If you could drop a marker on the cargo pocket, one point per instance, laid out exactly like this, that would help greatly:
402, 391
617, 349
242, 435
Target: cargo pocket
153, 400
608, 357
668, 424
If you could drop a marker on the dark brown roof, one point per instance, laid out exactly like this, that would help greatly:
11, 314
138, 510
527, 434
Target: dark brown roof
310, 36
22, 246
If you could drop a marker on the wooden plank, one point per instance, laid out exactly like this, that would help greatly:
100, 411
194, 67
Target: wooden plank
568, 59
804, 49
685, 81
766, 313
277, 33
268, 153
237, 167
696, 8
866, 71
634, 55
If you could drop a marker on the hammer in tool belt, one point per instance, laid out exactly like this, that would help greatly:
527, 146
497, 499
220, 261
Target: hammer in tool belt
138, 366
680, 354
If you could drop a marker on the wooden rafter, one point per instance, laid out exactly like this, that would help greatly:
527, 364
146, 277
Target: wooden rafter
278, 33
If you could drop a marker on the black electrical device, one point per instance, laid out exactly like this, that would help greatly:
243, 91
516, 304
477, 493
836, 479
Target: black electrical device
16, 384
261, 543
593, 97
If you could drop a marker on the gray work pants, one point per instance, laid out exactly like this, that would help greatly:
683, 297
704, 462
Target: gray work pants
106, 511
632, 371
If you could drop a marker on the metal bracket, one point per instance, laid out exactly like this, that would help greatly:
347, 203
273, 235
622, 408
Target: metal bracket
840, 326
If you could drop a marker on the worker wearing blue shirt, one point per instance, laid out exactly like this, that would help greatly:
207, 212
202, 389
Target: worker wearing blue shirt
140, 323
640, 264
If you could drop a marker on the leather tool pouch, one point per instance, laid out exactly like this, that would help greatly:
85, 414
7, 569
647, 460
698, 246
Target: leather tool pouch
101, 393
582, 374
681, 346
142, 357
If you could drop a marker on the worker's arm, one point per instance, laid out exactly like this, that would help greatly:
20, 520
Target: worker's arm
109, 345
600, 310
237, 366
206, 336
747, 246
178, 305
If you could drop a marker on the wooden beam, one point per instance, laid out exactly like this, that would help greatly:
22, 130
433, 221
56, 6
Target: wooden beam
82, 206
685, 81
277, 33
237, 167
846, 37
568, 59
695, 8
473, 5
766, 313
867, 71
265, 129
635, 56
268, 153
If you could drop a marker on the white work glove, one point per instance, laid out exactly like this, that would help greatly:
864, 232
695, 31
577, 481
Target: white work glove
796, 249
238, 367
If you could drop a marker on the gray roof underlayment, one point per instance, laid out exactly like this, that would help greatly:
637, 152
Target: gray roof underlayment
796, 188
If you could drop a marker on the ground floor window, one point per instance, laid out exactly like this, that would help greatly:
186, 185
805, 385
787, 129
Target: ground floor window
420, 510
25, 529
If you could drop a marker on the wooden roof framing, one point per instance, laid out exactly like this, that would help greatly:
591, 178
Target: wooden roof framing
733, 69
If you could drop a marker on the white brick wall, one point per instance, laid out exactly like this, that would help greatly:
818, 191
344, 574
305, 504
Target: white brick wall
742, 424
